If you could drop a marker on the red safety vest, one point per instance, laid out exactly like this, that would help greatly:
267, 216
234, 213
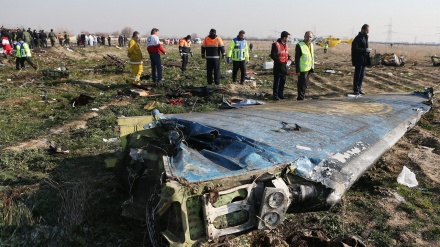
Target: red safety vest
282, 52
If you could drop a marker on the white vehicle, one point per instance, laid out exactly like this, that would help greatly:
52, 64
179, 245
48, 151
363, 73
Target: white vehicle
197, 41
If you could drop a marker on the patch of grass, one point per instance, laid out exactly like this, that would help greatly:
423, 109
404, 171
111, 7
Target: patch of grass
432, 234
407, 208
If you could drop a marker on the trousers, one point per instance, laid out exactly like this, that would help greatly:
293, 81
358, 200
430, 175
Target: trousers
156, 67
359, 74
136, 71
236, 65
213, 66
279, 80
303, 80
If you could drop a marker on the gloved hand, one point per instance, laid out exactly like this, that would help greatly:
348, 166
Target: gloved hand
228, 60
247, 61
191, 53
223, 55
203, 55
181, 54
369, 50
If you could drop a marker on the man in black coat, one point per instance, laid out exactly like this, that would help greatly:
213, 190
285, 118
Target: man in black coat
360, 58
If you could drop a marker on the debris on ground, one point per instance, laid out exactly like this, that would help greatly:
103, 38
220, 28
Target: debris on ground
56, 73
151, 105
393, 60
175, 102
318, 238
203, 91
235, 102
113, 139
435, 60
143, 93
267, 65
177, 93
81, 100
56, 149
407, 178
376, 59
113, 64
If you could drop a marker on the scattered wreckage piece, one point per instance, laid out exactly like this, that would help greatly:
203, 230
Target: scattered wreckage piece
376, 59
238, 102
143, 93
56, 73
199, 176
116, 64
81, 100
392, 60
435, 60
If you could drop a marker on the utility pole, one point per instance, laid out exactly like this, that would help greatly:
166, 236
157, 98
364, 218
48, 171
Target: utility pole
390, 32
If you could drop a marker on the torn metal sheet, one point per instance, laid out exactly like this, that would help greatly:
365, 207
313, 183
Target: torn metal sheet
393, 60
211, 174
435, 60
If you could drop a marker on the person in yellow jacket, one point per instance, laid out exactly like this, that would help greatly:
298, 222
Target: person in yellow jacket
238, 53
23, 53
304, 63
135, 56
325, 47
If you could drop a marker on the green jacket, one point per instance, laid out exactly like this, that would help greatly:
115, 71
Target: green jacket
27, 37
52, 36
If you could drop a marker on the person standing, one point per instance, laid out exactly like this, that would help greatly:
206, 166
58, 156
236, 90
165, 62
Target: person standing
325, 47
109, 40
43, 37
184, 50
280, 56
154, 49
7, 48
27, 38
212, 47
120, 40
304, 63
52, 37
360, 58
35, 37
66, 39
238, 52
23, 53
83, 39
60, 39
135, 56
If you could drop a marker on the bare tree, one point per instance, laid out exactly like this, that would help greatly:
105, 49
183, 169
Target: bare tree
115, 34
127, 31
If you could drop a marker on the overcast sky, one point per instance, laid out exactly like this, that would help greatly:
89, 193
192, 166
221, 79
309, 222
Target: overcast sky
410, 20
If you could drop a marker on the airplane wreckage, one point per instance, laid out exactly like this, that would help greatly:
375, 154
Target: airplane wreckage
197, 177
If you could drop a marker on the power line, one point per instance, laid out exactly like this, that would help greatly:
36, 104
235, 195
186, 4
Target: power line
390, 31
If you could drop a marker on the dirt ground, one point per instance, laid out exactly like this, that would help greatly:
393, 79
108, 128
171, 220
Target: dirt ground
419, 149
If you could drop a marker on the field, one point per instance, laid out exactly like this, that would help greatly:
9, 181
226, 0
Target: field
57, 191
